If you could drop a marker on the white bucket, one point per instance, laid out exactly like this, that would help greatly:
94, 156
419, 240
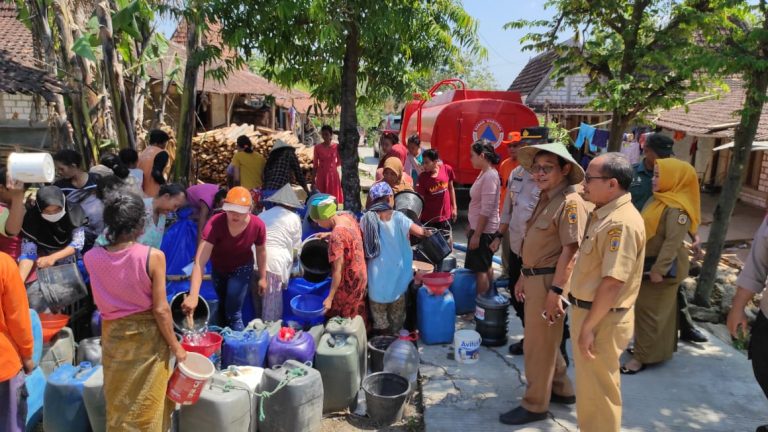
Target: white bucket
31, 167
466, 346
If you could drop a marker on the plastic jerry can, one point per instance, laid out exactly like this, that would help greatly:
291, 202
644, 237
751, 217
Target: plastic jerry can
436, 317
299, 347
224, 405
89, 350
251, 377
246, 348
298, 406
95, 402
356, 327
339, 366
464, 290
271, 326
59, 351
63, 406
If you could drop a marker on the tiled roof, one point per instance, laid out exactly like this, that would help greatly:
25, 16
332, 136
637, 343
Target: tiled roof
534, 71
708, 118
19, 72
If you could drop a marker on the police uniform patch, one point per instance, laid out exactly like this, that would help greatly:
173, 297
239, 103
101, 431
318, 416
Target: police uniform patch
682, 219
614, 243
615, 232
570, 212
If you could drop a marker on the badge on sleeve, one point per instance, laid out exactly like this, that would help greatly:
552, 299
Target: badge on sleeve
682, 219
570, 212
614, 239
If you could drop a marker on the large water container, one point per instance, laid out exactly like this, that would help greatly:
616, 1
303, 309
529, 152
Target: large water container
492, 317
464, 290
300, 347
298, 406
246, 348
338, 363
63, 407
224, 405
270, 326
300, 286
355, 327
402, 358
317, 332
35, 382
436, 317
95, 402
250, 377
89, 350
59, 351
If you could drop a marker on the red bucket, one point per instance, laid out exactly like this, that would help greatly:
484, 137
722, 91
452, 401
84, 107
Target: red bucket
189, 378
209, 344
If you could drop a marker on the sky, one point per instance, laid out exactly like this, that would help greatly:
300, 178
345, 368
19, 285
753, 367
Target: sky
505, 56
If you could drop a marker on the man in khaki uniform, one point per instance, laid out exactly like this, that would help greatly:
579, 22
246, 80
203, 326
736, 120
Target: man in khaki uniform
604, 286
549, 248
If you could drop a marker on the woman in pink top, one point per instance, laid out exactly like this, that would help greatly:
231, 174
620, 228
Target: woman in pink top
483, 214
128, 282
326, 163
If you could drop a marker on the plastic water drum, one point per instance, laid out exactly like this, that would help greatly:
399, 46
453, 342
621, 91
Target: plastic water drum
246, 348
436, 317
464, 289
63, 408
298, 406
300, 347
95, 402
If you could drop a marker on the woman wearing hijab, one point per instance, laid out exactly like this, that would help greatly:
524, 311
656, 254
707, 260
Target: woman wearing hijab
283, 240
394, 176
672, 213
345, 253
389, 257
52, 232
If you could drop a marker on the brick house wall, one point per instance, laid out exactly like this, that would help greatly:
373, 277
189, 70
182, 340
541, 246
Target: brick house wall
571, 93
17, 107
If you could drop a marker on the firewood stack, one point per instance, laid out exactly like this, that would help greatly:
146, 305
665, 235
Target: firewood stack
213, 150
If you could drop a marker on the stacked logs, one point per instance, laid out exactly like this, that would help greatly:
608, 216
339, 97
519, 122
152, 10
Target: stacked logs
213, 150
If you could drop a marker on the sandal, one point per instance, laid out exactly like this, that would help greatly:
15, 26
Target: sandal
626, 371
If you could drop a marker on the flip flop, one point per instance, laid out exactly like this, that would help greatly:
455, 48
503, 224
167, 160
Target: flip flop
624, 371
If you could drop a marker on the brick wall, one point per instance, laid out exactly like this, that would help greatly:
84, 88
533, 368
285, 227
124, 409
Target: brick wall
572, 92
16, 106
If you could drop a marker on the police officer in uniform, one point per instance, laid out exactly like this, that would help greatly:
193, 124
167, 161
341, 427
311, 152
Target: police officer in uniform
659, 146
605, 283
552, 238
518, 204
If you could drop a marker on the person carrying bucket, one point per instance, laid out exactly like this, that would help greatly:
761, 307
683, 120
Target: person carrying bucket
389, 258
227, 240
345, 253
128, 282
548, 252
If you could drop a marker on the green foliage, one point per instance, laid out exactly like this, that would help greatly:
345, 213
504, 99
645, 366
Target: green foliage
472, 69
305, 41
638, 55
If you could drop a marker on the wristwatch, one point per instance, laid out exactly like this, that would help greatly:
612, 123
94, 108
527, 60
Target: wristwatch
556, 289
498, 235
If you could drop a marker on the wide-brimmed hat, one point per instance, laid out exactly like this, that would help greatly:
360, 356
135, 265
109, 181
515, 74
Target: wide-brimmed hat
285, 196
526, 155
278, 143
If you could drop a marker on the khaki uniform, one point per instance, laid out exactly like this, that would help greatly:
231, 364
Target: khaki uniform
656, 306
614, 246
559, 219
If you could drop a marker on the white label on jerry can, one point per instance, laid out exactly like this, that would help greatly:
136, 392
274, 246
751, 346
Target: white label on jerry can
479, 313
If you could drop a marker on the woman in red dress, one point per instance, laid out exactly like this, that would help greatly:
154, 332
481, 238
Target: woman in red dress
326, 163
346, 255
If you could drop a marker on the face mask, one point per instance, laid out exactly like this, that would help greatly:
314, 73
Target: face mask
54, 217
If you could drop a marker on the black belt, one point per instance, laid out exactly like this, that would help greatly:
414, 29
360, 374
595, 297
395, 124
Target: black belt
583, 304
528, 272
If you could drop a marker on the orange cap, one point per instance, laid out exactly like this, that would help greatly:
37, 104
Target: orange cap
512, 137
238, 196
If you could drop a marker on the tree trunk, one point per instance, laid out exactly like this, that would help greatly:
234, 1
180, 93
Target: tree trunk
181, 168
348, 135
41, 32
757, 83
619, 124
113, 74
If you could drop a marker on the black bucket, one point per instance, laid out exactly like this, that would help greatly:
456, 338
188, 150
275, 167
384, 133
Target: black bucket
376, 348
385, 395
409, 203
314, 259
434, 248
60, 285
200, 317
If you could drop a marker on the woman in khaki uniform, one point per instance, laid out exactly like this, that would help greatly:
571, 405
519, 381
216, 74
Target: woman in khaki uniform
673, 212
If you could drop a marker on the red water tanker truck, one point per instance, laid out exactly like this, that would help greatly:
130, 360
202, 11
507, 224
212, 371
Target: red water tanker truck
450, 121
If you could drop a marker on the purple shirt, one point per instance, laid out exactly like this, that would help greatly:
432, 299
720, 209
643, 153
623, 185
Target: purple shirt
119, 280
202, 194
484, 200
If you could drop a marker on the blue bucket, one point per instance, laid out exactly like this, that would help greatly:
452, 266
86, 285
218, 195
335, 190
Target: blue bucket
307, 306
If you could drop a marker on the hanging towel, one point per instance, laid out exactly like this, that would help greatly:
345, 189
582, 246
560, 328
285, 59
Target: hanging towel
586, 132
600, 139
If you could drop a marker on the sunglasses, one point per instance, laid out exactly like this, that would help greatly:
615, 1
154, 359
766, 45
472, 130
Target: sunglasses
545, 169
